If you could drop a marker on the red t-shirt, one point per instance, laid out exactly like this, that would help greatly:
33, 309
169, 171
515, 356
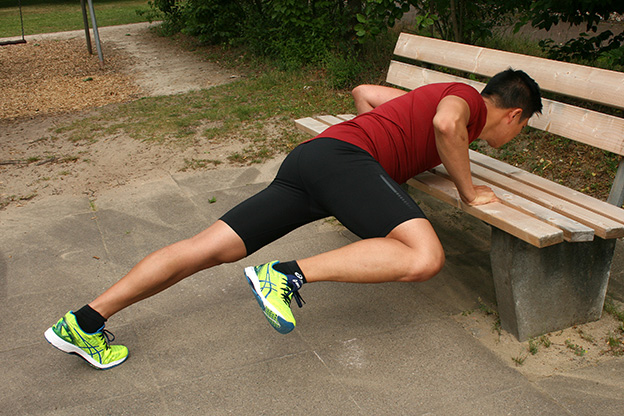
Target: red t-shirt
399, 134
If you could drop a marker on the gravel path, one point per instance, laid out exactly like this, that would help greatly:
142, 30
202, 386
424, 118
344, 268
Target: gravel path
52, 80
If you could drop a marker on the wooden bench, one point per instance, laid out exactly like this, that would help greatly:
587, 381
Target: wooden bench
551, 246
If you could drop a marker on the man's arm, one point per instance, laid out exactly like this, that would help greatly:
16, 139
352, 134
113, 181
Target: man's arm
451, 135
367, 97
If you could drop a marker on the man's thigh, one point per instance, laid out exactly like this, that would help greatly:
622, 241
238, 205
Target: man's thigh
362, 196
275, 211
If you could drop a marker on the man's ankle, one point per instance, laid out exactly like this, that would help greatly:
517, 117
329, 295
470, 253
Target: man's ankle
290, 268
89, 319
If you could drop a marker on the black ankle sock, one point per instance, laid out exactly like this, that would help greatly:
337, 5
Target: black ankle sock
291, 268
89, 319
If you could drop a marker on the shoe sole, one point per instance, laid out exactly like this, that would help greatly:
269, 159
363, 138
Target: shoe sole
62, 345
280, 324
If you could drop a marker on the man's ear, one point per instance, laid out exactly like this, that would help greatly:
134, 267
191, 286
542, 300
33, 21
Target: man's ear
514, 113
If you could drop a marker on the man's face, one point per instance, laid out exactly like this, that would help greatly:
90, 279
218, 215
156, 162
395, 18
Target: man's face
507, 129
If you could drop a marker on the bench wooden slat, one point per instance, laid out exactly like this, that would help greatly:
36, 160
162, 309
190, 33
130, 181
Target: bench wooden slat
329, 120
573, 231
512, 221
586, 126
594, 84
596, 129
411, 77
603, 226
311, 125
317, 124
610, 211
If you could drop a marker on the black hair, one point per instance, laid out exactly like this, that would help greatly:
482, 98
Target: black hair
514, 89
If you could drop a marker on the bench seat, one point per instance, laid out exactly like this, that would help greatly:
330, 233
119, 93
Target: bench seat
551, 246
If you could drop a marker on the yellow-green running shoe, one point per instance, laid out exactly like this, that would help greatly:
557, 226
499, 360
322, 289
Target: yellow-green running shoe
274, 291
95, 348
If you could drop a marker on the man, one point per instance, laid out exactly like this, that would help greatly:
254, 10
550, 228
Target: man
351, 171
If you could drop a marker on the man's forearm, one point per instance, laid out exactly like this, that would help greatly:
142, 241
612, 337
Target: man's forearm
451, 137
454, 154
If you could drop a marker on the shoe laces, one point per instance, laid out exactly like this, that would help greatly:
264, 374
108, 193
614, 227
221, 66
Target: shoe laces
294, 284
107, 337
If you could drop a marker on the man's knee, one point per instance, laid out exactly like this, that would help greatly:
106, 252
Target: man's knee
424, 266
216, 245
360, 98
359, 89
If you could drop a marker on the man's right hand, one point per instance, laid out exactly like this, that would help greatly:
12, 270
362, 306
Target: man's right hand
484, 195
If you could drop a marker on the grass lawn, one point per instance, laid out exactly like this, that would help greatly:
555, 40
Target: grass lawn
46, 16
252, 109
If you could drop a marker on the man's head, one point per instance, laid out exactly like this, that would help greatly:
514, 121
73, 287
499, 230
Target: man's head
514, 89
512, 98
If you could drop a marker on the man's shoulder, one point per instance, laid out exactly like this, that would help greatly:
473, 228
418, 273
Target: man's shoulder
466, 92
461, 86
447, 88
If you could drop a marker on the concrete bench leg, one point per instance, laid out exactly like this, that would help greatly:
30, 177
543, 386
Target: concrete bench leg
548, 289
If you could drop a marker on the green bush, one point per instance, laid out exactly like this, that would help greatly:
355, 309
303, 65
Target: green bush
343, 70
338, 34
292, 31
214, 21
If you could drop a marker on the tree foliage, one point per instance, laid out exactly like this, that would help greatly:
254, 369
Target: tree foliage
292, 30
464, 21
588, 14
296, 32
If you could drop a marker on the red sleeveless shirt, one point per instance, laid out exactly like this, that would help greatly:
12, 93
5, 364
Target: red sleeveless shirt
399, 134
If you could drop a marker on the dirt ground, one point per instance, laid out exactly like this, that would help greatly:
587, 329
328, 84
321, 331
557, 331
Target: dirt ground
554, 353
52, 80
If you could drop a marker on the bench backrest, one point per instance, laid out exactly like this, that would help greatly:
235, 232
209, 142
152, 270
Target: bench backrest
593, 84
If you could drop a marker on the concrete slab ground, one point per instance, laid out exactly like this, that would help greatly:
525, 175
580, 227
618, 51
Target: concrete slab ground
204, 348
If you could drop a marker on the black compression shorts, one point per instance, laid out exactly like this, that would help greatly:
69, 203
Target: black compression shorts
318, 179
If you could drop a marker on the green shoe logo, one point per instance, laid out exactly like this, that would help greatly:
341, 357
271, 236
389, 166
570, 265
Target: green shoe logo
62, 331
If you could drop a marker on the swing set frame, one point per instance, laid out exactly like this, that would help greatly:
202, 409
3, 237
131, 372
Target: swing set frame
23, 39
83, 5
